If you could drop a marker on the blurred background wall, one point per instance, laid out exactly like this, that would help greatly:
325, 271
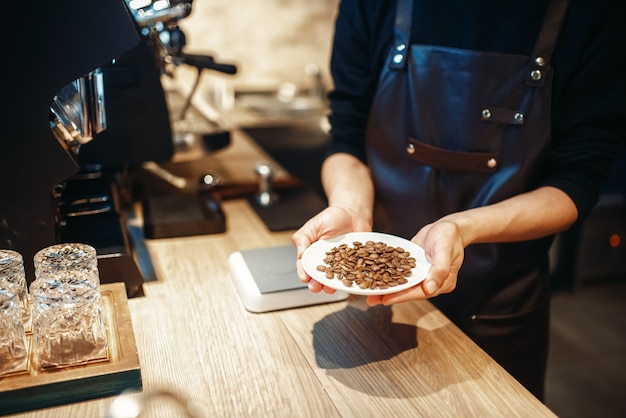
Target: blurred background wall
271, 41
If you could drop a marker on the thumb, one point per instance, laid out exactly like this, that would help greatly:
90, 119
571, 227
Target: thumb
301, 242
430, 286
437, 273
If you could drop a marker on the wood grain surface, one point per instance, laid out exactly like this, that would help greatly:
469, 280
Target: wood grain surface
196, 341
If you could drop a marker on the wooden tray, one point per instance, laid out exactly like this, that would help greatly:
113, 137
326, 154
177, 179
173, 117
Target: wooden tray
31, 389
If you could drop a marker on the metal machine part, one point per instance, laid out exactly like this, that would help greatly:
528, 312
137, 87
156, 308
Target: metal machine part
265, 196
158, 21
77, 111
206, 181
148, 12
51, 54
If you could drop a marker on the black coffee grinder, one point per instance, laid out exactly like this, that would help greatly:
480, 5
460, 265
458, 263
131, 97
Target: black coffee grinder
56, 89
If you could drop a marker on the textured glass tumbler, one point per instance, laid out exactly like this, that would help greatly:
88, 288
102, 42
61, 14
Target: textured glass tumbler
13, 348
67, 320
12, 271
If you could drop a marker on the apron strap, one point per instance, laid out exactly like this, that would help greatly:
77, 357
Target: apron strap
404, 17
541, 57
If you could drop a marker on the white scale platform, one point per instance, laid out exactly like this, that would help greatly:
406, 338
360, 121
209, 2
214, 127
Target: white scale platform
266, 280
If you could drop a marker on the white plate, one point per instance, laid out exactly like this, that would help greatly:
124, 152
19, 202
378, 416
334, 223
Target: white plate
315, 254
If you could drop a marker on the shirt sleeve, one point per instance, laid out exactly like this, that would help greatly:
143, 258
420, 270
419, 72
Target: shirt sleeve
589, 102
353, 68
589, 89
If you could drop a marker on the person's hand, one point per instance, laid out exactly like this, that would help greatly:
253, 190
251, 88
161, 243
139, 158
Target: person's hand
445, 250
329, 223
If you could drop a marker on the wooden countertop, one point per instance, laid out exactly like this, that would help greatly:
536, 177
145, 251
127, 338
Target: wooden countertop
343, 359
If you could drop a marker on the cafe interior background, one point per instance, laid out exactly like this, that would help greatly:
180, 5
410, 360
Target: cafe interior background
283, 47
275, 40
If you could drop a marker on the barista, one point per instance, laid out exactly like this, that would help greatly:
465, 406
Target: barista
478, 130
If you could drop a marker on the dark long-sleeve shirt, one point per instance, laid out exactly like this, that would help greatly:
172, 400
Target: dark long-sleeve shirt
589, 88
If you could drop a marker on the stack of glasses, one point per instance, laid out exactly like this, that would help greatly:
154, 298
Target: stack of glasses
64, 310
14, 313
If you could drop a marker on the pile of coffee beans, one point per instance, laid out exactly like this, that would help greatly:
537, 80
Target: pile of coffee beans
370, 265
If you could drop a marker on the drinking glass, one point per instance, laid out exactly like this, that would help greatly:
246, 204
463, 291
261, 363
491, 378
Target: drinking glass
67, 320
13, 348
12, 271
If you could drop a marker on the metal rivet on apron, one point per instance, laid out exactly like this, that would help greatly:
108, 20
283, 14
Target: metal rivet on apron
398, 58
410, 149
473, 317
540, 61
519, 117
486, 113
535, 75
492, 163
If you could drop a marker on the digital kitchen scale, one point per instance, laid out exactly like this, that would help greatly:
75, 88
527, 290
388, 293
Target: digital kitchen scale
266, 280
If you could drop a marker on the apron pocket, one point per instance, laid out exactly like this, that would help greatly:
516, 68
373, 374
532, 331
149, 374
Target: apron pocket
478, 162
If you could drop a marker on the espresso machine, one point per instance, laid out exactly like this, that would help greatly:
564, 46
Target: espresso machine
85, 103
87, 112
53, 44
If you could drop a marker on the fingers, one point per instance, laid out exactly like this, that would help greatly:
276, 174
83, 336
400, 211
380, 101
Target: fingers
414, 293
305, 278
313, 285
438, 280
316, 287
326, 290
374, 300
301, 241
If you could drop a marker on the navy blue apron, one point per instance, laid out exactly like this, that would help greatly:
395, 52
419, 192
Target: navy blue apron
454, 129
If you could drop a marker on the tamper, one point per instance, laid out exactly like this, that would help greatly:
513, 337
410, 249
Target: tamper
290, 208
265, 196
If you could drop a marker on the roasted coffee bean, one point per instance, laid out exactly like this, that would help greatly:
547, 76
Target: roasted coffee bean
369, 265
